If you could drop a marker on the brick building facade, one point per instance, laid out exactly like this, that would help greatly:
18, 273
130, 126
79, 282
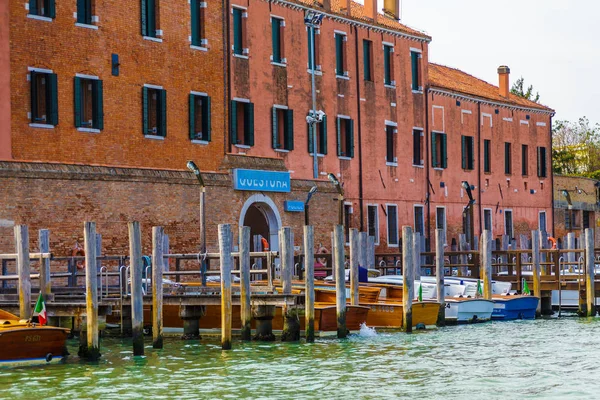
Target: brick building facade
576, 205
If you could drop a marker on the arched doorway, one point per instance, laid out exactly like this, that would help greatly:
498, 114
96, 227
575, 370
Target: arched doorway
261, 215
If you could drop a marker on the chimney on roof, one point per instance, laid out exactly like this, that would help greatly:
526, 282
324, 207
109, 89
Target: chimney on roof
392, 8
504, 78
327, 5
346, 6
371, 9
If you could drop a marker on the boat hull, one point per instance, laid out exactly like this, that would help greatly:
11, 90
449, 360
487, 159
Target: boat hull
36, 344
514, 307
390, 315
466, 311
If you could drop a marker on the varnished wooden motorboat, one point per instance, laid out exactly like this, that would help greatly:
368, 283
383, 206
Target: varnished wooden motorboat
23, 342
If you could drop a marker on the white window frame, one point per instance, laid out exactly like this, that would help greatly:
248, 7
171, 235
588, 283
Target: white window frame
387, 224
395, 126
42, 71
340, 133
283, 62
418, 128
346, 75
415, 206
491, 220
376, 221
512, 217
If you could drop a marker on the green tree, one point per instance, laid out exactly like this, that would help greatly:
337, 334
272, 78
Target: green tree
576, 147
518, 88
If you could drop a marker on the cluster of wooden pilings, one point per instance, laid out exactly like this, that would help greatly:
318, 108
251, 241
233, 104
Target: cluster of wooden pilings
358, 254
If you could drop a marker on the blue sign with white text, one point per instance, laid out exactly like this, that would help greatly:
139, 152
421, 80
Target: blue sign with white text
261, 181
293, 206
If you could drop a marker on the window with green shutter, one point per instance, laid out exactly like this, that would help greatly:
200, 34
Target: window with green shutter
418, 147
414, 62
282, 129
542, 163
44, 98
197, 20
339, 54
276, 38
154, 110
507, 158
367, 60
42, 8
148, 17
321, 128
84, 12
390, 140
439, 150
237, 31
88, 103
387, 65
241, 125
199, 117
345, 137
524, 160
468, 152
487, 148
313, 42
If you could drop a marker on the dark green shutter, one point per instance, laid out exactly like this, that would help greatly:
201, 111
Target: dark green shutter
145, 110
350, 140
289, 130
366, 60
339, 54
486, 156
51, 9
33, 7
163, 113
339, 138
472, 154
275, 36
463, 145
386, 65
233, 118
310, 138
274, 133
415, 70
33, 97
192, 113
52, 98
77, 101
444, 150
433, 151
195, 22
151, 17
237, 31
539, 162
323, 135
81, 11
98, 111
250, 124
144, 20
310, 58
206, 124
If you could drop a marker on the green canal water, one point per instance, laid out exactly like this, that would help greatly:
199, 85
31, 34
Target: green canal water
523, 359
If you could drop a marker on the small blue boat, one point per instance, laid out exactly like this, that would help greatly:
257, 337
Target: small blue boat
508, 308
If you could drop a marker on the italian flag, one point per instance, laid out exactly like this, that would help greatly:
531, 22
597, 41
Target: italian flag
40, 310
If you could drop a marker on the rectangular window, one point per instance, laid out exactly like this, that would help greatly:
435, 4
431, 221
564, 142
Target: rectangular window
345, 137
487, 219
390, 140
524, 159
277, 25
373, 221
347, 221
42, 8
84, 12
419, 220
440, 218
541, 162
313, 40
388, 65
439, 153
44, 98
242, 123
586, 219
542, 221
418, 158
568, 218
149, 9
197, 12
487, 149
508, 224
321, 137
368, 60
154, 102
415, 67
468, 152
392, 225
88, 103
200, 117
282, 129
239, 32
507, 158
340, 55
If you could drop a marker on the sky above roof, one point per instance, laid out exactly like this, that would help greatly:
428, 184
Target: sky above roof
552, 44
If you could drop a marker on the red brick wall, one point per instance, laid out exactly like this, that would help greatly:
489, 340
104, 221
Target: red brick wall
5, 146
66, 49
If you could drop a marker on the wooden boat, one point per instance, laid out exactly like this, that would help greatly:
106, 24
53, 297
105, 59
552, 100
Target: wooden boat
22, 342
326, 318
510, 307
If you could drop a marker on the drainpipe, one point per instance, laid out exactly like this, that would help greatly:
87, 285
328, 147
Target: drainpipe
479, 169
426, 161
360, 164
227, 70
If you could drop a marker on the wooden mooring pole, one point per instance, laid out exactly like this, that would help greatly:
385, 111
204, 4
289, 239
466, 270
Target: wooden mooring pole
92, 350
537, 271
23, 269
417, 255
354, 256
340, 281
486, 263
363, 246
45, 282
309, 277
157, 286
590, 270
137, 301
226, 261
407, 277
245, 305
291, 323
439, 275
